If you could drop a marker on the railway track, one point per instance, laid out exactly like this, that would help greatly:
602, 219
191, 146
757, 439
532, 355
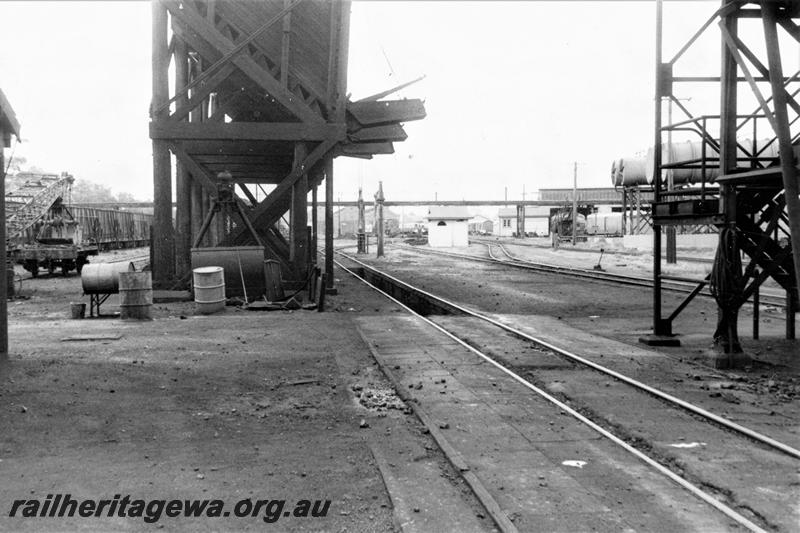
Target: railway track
706, 416
687, 258
675, 284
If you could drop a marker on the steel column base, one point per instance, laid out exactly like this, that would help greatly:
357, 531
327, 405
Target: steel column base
720, 360
660, 340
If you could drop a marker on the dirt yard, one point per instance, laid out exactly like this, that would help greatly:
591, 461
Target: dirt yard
239, 407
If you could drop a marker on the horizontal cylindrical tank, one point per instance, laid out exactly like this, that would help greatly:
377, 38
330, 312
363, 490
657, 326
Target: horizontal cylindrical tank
243, 267
631, 171
604, 224
103, 278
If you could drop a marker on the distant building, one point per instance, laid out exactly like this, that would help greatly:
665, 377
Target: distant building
345, 220
448, 226
563, 196
481, 225
537, 220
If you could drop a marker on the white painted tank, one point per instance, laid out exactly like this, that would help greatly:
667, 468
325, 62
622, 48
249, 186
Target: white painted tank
604, 224
628, 171
693, 151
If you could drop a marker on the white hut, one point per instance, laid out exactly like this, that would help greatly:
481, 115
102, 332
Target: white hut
448, 226
537, 220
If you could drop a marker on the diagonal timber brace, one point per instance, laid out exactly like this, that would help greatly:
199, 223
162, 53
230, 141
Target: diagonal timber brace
198, 173
245, 63
276, 203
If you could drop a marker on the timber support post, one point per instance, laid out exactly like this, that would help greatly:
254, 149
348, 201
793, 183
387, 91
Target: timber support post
183, 184
163, 238
256, 102
8, 127
298, 234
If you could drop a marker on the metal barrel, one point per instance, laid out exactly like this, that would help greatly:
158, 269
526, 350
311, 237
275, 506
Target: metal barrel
136, 295
243, 268
103, 278
209, 289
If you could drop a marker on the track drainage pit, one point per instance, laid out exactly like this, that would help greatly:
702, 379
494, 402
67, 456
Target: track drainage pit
416, 300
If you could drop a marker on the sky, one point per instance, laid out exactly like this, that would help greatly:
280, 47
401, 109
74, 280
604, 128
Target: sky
516, 92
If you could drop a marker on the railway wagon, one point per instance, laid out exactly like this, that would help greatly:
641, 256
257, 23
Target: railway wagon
604, 224
111, 228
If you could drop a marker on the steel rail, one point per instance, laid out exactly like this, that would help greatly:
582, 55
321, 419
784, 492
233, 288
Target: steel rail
698, 492
688, 259
581, 273
667, 284
722, 421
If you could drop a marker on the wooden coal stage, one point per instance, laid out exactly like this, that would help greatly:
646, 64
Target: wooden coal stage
259, 104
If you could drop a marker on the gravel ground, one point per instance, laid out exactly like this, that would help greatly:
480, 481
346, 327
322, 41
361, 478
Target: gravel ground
234, 406
617, 312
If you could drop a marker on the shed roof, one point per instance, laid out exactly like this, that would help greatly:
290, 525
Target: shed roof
448, 212
8, 120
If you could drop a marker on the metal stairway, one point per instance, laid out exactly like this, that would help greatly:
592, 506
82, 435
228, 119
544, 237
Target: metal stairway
31, 200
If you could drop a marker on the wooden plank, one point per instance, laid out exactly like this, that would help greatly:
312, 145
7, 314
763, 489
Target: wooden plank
243, 159
241, 18
242, 171
248, 194
199, 174
248, 131
7, 113
341, 70
286, 45
366, 148
201, 92
163, 245
387, 112
387, 92
385, 133
245, 63
279, 199
244, 44
183, 184
328, 276
217, 147
298, 215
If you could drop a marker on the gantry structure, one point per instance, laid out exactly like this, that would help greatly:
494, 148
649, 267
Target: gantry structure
257, 112
748, 191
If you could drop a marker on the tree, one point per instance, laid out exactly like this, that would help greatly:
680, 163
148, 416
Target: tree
88, 192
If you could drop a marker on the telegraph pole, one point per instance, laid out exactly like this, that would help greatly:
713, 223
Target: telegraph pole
379, 213
361, 236
574, 203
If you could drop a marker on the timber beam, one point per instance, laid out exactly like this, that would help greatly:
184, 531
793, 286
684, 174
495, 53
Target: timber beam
246, 64
247, 131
